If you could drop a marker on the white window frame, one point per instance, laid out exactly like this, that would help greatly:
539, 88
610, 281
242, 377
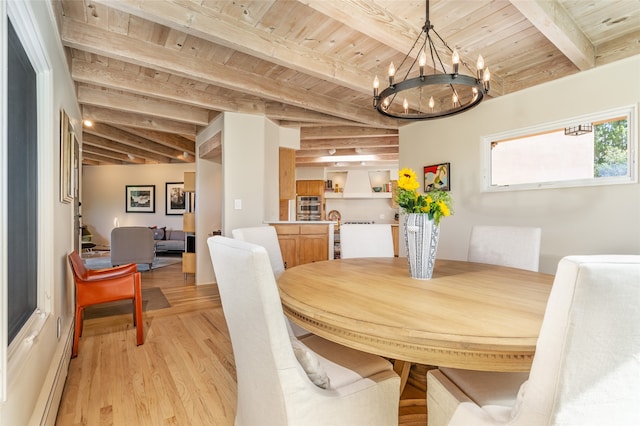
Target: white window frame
15, 357
630, 112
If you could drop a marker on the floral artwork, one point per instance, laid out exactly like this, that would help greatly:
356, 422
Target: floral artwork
437, 176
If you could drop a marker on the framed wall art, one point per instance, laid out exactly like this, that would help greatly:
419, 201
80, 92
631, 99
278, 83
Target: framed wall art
67, 136
140, 198
437, 176
175, 198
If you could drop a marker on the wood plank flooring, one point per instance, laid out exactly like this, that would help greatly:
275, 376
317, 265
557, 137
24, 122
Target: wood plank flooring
184, 374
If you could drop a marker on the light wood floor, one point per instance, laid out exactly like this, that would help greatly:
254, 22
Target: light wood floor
184, 374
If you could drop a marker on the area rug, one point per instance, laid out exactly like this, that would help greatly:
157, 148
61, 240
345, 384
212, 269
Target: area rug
103, 262
152, 299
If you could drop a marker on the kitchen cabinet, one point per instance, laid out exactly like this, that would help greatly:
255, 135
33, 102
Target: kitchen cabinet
287, 173
302, 244
287, 180
310, 187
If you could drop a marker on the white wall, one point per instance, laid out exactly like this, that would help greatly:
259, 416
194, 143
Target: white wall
103, 196
602, 219
208, 202
243, 169
36, 375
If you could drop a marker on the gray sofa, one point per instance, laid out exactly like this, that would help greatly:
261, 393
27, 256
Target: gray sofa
168, 240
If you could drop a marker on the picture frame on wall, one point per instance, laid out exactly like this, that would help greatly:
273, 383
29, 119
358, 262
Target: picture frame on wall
175, 198
67, 136
140, 198
437, 176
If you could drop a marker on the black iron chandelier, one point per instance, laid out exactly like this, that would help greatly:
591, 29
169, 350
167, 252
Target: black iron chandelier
424, 96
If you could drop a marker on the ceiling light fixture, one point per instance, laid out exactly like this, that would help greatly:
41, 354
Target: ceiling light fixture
87, 123
332, 151
578, 130
185, 154
427, 96
131, 157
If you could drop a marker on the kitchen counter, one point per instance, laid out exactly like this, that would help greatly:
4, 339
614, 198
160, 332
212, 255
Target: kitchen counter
304, 241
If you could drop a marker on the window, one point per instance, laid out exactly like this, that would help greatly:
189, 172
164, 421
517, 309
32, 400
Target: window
597, 149
22, 183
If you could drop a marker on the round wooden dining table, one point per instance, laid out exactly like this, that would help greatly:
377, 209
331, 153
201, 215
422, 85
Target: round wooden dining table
469, 315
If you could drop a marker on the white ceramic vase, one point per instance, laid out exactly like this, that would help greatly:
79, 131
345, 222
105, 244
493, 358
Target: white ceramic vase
421, 239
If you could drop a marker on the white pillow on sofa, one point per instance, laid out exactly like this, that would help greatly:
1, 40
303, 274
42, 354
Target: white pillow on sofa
310, 364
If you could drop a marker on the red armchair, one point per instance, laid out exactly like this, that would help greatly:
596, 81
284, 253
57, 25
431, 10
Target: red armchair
105, 285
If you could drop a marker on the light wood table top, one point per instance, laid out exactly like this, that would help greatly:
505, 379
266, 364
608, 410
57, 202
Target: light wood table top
469, 315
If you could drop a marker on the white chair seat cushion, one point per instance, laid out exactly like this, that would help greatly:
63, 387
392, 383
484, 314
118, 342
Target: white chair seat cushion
487, 387
343, 365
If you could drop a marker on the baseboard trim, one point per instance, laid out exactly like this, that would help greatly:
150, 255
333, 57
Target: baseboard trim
47, 409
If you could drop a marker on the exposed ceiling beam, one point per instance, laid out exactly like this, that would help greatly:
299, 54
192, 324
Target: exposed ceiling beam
161, 153
380, 24
105, 115
173, 141
110, 44
194, 19
376, 142
100, 75
344, 132
552, 20
143, 105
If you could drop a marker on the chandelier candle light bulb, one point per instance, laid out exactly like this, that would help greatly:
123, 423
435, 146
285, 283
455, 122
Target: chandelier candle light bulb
455, 59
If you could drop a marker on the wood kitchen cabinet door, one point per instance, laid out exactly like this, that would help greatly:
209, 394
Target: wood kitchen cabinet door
289, 246
313, 248
310, 187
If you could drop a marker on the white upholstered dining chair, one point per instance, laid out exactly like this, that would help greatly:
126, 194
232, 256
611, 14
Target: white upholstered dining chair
283, 380
513, 246
366, 240
586, 366
267, 237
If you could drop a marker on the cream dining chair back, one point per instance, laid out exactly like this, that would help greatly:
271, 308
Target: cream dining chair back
513, 246
366, 240
267, 237
586, 365
287, 381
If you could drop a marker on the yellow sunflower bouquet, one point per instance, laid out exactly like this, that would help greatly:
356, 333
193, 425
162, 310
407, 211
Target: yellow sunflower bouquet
436, 203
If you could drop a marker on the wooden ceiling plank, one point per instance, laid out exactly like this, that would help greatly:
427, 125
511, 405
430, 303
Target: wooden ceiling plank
142, 105
123, 148
217, 28
94, 149
280, 111
139, 84
167, 139
95, 40
99, 159
104, 115
552, 20
390, 141
344, 132
119, 135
